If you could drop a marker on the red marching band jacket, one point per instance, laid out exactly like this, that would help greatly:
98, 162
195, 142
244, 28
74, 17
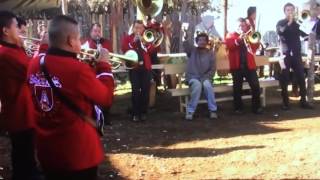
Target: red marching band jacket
128, 43
233, 50
65, 141
17, 111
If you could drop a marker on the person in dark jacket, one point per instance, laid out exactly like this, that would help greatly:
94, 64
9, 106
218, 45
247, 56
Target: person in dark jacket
289, 32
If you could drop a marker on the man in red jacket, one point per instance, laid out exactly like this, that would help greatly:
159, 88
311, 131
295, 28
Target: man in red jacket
68, 146
241, 55
17, 113
96, 38
140, 76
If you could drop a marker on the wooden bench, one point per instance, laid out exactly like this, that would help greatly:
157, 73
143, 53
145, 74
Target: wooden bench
183, 92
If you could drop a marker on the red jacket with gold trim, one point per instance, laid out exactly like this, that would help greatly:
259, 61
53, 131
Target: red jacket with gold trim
233, 49
65, 141
17, 112
128, 43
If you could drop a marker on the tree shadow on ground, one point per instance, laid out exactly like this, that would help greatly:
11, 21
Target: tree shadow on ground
165, 126
190, 152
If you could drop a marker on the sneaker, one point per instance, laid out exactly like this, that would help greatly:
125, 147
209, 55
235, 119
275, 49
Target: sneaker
143, 117
189, 116
238, 111
213, 115
135, 118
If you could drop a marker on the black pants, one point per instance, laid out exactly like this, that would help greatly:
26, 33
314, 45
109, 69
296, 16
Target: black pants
140, 85
24, 166
295, 63
252, 78
87, 174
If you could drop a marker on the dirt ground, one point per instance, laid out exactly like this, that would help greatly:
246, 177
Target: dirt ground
278, 144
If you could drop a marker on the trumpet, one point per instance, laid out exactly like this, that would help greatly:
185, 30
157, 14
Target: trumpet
31, 45
90, 56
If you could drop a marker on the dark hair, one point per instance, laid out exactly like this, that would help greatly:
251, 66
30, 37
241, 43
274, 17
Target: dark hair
242, 20
60, 29
287, 5
6, 18
251, 10
21, 22
95, 24
205, 35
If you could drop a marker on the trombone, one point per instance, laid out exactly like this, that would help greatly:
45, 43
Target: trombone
251, 37
90, 56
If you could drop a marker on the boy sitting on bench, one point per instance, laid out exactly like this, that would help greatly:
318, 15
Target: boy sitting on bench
199, 75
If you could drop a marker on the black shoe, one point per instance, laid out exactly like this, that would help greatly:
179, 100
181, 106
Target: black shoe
285, 107
238, 111
258, 111
135, 119
305, 105
143, 117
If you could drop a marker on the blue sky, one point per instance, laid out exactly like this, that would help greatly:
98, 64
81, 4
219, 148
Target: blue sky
270, 11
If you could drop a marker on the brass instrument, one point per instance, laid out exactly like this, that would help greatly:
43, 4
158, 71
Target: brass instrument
89, 56
305, 14
152, 35
31, 45
253, 38
149, 7
214, 42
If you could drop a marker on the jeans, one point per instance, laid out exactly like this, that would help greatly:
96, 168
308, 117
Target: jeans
252, 78
140, 85
196, 87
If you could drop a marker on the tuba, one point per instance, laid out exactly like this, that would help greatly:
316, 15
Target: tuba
149, 7
153, 33
90, 56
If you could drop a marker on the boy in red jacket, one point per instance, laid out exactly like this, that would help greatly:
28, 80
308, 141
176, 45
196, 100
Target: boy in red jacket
17, 113
241, 55
69, 146
140, 76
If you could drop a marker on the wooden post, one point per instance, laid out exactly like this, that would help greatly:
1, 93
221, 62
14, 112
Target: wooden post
225, 5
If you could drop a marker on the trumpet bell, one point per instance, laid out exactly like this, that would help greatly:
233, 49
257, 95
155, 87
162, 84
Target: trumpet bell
305, 14
255, 38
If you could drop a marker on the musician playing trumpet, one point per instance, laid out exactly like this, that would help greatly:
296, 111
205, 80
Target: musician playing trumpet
289, 32
59, 125
241, 54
